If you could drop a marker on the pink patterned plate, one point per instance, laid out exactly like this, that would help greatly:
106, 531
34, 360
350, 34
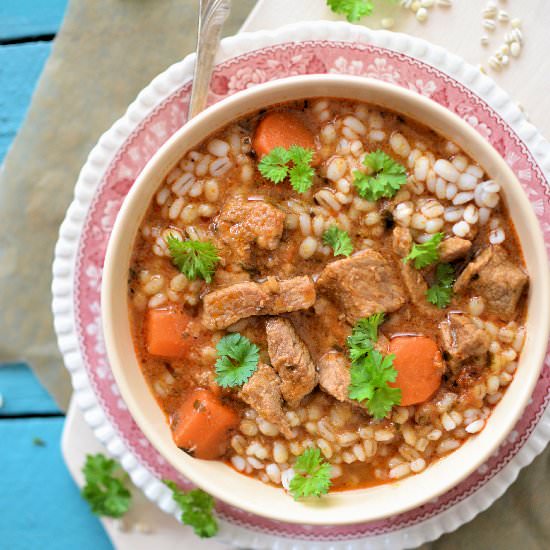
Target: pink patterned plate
113, 165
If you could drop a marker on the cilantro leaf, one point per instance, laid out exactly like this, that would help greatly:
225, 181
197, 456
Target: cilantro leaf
385, 179
301, 177
294, 163
371, 371
441, 291
237, 360
274, 165
312, 475
384, 398
352, 9
425, 254
105, 490
369, 383
300, 155
364, 335
196, 509
38, 442
339, 240
195, 259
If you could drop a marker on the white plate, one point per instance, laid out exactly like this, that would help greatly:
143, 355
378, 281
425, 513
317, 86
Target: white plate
74, 337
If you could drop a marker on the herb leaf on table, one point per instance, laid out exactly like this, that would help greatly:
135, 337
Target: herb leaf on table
352, 9
196, 509
105, 489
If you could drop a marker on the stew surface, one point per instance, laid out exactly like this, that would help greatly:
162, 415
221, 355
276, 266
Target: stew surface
327, 275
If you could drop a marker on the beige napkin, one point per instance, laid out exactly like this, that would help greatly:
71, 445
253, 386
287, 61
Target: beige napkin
104, 54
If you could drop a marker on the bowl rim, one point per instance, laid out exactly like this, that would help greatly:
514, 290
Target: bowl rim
240, 98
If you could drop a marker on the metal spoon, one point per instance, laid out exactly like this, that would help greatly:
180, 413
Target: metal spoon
212, 16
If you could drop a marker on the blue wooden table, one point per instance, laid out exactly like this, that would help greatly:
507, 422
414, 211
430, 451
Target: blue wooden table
41, 507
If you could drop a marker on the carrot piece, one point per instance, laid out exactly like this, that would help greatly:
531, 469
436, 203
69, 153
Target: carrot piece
419, 368
166, 332
202, 425
281, 129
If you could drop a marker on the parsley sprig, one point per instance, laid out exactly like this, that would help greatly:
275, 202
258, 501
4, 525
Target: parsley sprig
425, 254
312, 475
385, 179
105, 489
339, 240
441, 292
294, 163
352, 9
195, 259
237, 360
369, 382
371, 372
363, 336
196, 509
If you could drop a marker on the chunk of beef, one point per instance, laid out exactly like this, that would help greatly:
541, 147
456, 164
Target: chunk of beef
414, 280
243, 223
262, 392
363, 284
223, 307
224, 277
496, 279
464, 342
291, 359
454, 248
334, 375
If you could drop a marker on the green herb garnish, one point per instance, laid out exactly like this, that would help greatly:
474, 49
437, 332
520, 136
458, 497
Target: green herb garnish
237, 360
294, 163
105, 489
371, 371
195, 259
363, 336
440, 293
312, 475
339, 240
352, 9
196, 509
38, 442
369, 383
385, 179
425, 254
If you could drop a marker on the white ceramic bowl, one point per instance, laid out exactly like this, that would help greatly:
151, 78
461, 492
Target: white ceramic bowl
342, 507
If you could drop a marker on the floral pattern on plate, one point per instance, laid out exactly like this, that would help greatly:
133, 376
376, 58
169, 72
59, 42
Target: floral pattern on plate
236, 74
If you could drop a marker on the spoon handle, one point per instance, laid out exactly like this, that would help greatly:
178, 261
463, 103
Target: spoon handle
212, 16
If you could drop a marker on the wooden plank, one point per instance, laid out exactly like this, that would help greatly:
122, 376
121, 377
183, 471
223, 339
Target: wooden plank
42, 507
20, 67
21, 18
22, 393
